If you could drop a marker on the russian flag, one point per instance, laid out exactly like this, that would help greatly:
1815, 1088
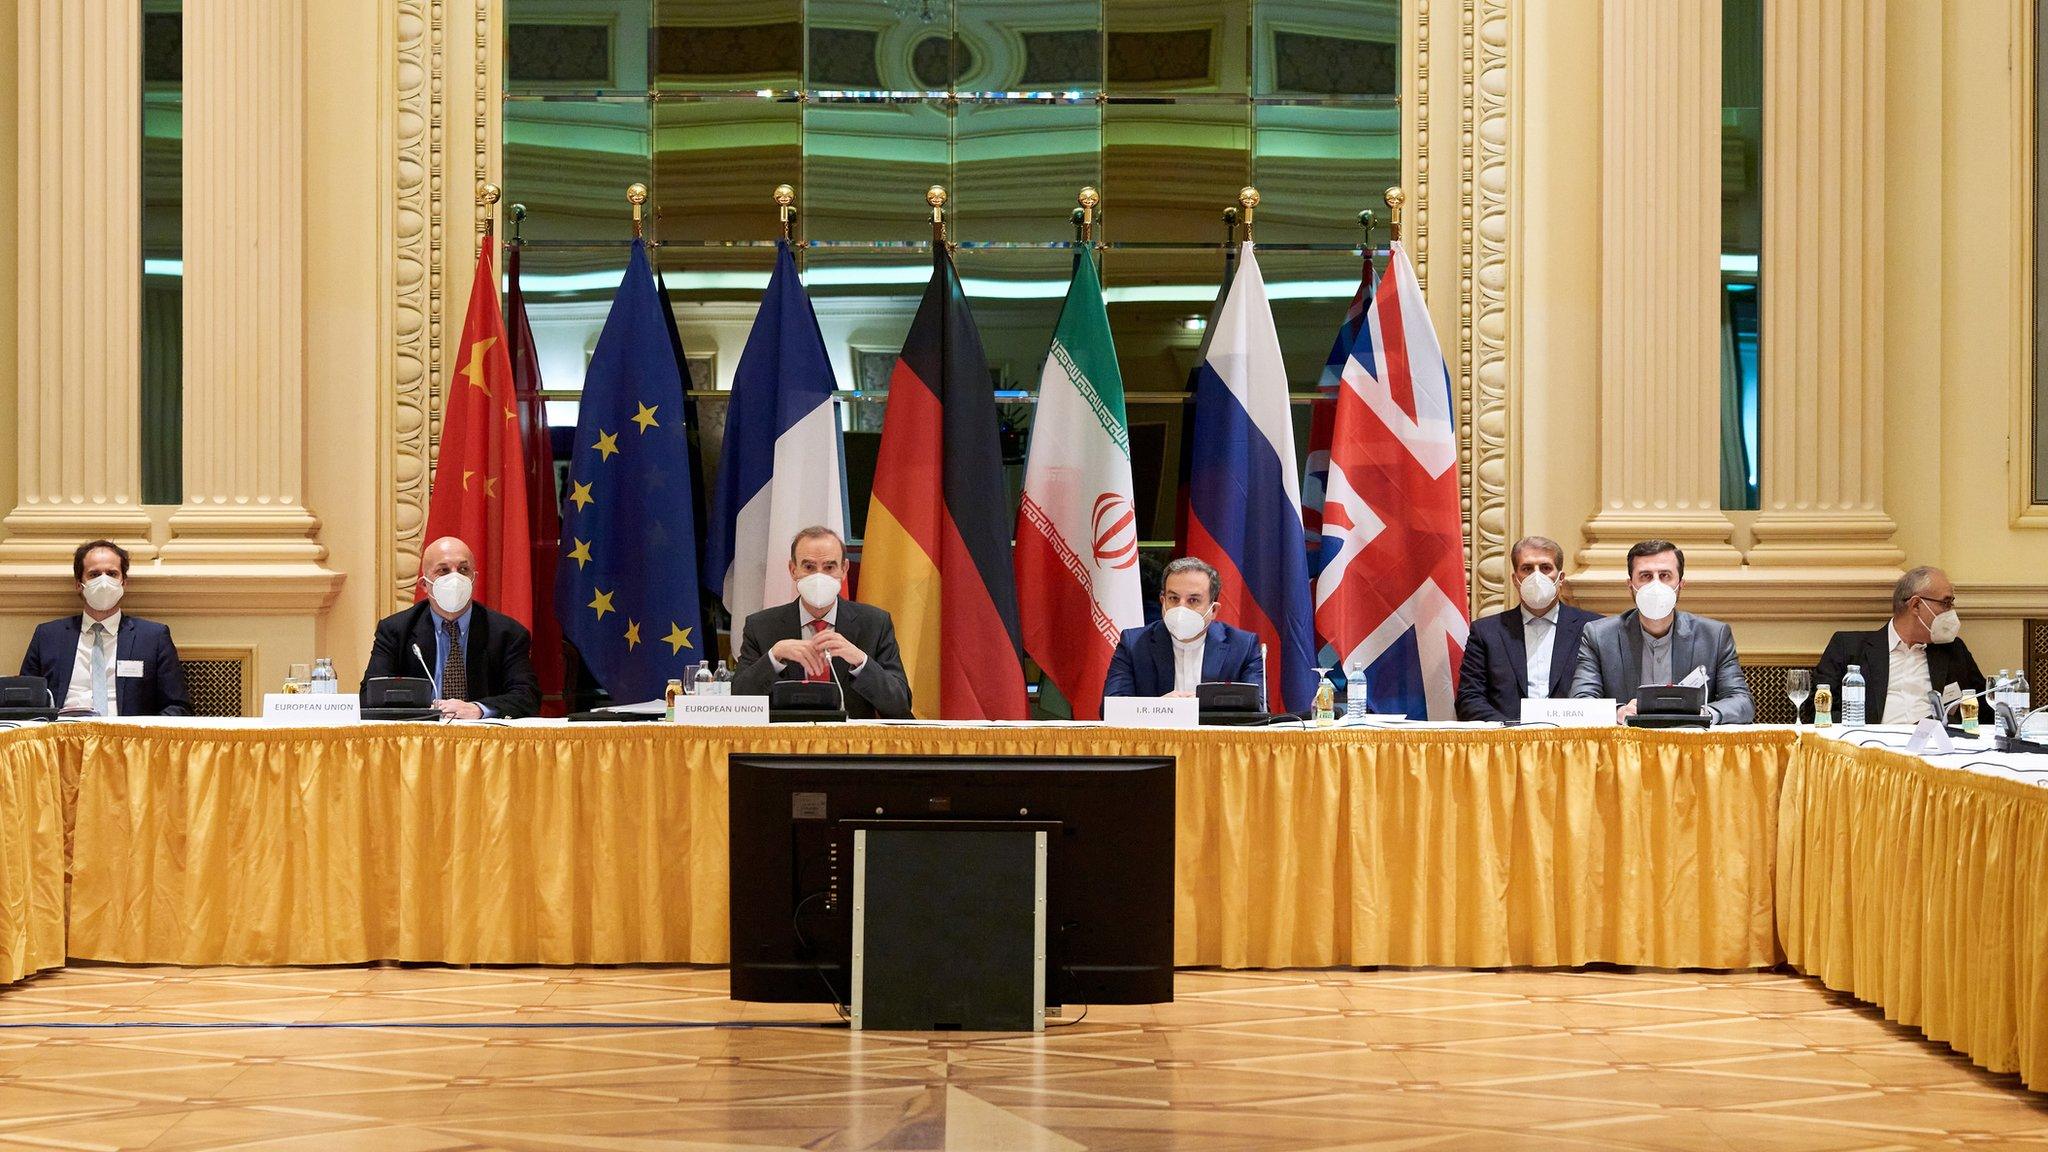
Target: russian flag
781, 469
1244, 494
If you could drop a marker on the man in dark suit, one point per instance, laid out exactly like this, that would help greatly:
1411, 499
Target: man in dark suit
1917, 652
477, 658
823, 637
1527, 652
1187, 645
104, 661
1654, 643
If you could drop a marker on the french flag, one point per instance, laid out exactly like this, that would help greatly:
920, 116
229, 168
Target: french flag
1244, 498
781, 469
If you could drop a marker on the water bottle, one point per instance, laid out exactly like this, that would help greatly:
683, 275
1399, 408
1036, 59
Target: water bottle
2022, 693
722, 680
1852, 696
1326, 699
700, 684
1354, 693
2001, 690
323, 675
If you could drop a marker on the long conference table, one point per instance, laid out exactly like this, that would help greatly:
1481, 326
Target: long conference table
1917, 884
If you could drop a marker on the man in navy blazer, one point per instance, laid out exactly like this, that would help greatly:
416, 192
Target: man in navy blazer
104, 660
1187, 645
1528, 651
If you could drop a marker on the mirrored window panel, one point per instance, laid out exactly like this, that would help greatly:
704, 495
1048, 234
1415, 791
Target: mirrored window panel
163, 252
570, 161
726, 47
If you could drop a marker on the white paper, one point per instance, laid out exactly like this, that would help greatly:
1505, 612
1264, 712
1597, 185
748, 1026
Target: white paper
1152, 711
727, 711
1569, 713
128, 669
1930, 730
302, 709
1697, 678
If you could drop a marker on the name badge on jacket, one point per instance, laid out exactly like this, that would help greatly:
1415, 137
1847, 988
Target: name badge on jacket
128, 669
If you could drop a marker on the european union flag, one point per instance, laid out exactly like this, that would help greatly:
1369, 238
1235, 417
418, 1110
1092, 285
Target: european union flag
626, 585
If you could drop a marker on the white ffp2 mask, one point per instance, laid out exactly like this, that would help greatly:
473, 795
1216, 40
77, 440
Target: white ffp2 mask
451, 592
818, 590
1538, 592
103, 592
1655, 600
1944, 627
1185, 623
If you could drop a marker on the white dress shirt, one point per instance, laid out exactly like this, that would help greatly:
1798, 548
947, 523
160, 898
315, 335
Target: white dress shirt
1905, 694
1539, 634
79, 694
1187, 661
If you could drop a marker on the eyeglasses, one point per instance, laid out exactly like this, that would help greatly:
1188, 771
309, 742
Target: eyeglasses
1945, 605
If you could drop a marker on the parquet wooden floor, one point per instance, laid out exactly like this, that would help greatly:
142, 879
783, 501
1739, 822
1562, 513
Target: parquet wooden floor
658, 1060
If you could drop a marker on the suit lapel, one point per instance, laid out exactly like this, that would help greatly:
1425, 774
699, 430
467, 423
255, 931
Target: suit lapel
1215, 646
1632, 651
1162, 656
63, 661
473, 660
124, 649
1877, 674
1518, 649
1685, 656
1564, 641
421, 636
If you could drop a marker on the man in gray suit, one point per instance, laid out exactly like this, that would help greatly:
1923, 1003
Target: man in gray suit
820, 636
1654, 643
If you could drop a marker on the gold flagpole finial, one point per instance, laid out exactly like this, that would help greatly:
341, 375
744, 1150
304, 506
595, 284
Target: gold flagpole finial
518, 218
487, 195
636, 195
1248, 198
1395, 199
1089, 200
936, 197
785, 210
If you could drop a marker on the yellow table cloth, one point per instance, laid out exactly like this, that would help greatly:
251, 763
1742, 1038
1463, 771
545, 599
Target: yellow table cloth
1923, 890
36, 767
607, 844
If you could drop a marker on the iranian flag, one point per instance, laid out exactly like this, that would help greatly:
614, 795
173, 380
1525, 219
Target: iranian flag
1077, 529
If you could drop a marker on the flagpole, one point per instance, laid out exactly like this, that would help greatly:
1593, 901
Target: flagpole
1395, 199
785, 212
1248, 197
518, 218
1229, 241
1365, 221
487, 195
936, 197
636, 195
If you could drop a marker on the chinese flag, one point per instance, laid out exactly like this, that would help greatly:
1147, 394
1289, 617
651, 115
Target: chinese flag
479, 490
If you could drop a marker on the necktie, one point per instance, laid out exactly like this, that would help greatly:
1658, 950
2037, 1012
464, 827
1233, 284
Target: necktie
101, 689
455, 673
817, 628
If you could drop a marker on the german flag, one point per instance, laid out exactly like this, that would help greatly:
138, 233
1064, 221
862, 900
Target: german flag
937, 548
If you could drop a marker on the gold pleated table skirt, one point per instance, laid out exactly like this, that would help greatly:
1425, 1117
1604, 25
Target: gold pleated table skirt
1920, 889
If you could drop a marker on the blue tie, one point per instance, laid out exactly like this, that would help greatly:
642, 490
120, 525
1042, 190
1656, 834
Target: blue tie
100, 686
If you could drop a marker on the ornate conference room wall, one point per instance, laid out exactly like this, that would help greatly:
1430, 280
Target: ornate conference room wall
1565, 162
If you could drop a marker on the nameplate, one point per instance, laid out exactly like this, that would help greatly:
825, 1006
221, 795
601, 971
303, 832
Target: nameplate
1152, 712
311, 708
1930, 732
1569, 713
734, 711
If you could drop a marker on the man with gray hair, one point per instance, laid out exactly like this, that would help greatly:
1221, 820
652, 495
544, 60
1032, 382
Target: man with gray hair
1187, 645
1919, 651
1527, 652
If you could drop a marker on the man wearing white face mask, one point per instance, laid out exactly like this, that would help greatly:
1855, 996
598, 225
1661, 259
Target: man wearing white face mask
1187, 645
1654, 643
822, 636
1528, 652
103, 661
1919, 651
478, 659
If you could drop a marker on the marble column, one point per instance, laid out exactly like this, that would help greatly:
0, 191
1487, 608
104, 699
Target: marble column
244, 293
1822, 287
80, 280
1660, 215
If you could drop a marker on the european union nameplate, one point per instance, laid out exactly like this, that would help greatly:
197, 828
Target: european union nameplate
1152, 712
302, 709
726, 711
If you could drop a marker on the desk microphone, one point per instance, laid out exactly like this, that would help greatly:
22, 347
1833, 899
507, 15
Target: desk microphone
1942, 707
428, 669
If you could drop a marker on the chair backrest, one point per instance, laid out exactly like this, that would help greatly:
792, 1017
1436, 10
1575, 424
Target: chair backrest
24, 692
1766, 678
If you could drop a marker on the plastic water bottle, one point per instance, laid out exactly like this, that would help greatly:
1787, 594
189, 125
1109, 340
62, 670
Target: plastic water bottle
722, 680
700, 684
1354, 693
2022, 693
323, 676
2001, 691
1852, 696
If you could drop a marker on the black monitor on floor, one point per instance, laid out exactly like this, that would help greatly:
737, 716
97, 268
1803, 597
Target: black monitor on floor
1109, 865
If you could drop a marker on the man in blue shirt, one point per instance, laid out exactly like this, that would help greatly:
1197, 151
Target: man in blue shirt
477, 658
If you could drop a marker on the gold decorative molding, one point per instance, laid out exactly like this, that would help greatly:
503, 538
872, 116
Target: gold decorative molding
416, 278
1486, 318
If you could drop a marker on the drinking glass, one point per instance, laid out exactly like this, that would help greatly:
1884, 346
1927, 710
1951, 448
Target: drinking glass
300, 680
1798, 686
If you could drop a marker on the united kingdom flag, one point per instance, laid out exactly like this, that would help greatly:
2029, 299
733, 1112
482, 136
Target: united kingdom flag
1391, 593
